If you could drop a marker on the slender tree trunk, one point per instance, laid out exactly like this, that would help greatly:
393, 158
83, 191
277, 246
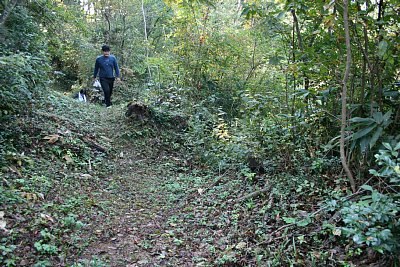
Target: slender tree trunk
343, 156
7, 11
123, 41
296, 25
108, 31
379, 66
301, 46
294, 85
253, 62
364, 69
146, 37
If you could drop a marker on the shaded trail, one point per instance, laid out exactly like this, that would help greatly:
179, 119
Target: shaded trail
136, 229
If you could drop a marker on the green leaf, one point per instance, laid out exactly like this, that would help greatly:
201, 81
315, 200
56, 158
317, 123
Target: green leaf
382, 48
289, 219
367, 187
362, 120
363, 132
387, 115
375, 137
373, 172
304, 222
387, 145
357, 239
364, 143
386, 118
281, 15
378, 117
397, 147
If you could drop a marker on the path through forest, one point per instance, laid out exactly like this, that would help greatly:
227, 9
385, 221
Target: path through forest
137, 230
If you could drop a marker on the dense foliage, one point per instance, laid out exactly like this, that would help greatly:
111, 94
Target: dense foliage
257, 87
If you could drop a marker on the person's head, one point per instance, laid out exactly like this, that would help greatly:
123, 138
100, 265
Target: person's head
106, 50
82, 92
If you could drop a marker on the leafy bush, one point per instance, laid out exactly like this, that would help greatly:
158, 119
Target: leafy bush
374, 219
22, 74
390, 161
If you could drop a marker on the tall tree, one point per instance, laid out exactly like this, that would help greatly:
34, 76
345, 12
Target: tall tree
343, 156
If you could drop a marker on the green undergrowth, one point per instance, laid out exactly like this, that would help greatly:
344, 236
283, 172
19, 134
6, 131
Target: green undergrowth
80, 181
52, 169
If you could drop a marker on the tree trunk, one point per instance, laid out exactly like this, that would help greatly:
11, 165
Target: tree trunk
344, 97
108, 31
301, 46
122, 46
146, 38
379, 66
294, 86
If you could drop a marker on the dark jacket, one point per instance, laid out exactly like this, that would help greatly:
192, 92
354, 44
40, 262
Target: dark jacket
105, 66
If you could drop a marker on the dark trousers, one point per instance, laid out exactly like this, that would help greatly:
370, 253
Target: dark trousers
107, 84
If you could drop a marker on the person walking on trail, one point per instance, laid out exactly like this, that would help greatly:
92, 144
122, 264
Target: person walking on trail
105, 66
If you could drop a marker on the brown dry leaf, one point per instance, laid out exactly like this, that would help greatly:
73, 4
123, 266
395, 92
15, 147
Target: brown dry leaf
241, 245
337, 232
47, 217
52, 138
14, 170
40, 195
3, 223
30, 196
68, 159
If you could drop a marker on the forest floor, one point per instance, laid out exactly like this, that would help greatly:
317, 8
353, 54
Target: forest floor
140, 226
90, 187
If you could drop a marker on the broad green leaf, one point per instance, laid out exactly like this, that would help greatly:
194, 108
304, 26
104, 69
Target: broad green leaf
363, 132
357, 239
304, 222
366, 187
378, 117
386, 118
397, 147
362, 120
387, 145
289, 219
281, 15
364, 143
382, 48
375, 137
387, 115
353, 145
373, 172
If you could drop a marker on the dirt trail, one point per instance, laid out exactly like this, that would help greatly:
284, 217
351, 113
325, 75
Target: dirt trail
135, 230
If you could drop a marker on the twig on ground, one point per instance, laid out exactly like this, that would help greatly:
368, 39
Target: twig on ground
253, 194
274, 232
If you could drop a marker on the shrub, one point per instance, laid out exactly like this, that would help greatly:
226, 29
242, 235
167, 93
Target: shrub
374, 219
